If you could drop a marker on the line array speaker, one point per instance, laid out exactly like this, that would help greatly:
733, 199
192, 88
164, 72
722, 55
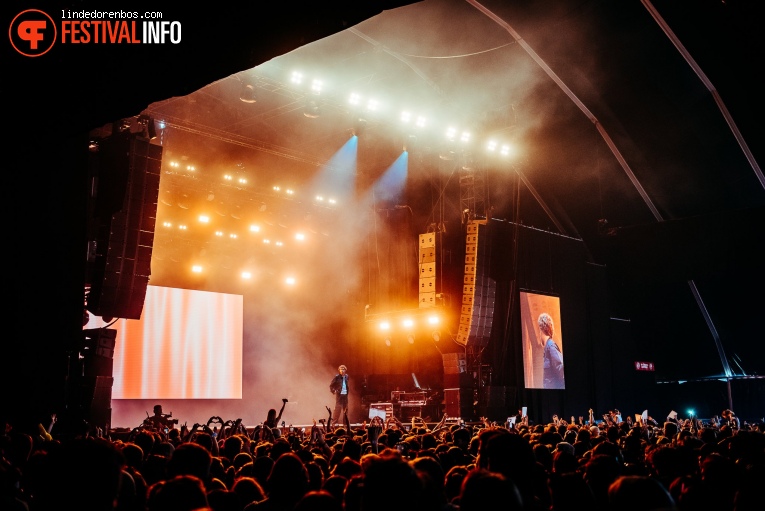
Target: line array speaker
478, 289
128, 174
427, 267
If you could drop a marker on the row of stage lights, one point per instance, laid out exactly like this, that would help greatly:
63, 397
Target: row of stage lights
241, 180
419, 122
254, 228
247, 275
408, 325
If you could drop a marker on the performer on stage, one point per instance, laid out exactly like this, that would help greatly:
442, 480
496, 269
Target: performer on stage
160, 420
339, 387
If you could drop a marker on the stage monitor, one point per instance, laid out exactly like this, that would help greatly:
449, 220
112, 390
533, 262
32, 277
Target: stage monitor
187, 344
542, 337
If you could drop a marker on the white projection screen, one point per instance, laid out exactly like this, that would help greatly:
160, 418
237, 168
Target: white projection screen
187, 345
535, 347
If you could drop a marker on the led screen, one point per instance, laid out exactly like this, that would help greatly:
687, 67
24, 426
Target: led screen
542, 335
187, 345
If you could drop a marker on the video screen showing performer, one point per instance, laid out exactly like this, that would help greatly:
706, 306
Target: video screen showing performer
542, 334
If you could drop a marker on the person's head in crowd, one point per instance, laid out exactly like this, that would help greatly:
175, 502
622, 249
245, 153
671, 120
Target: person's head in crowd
145, 440
543, 455
570, 492
315, 475
564, 462
179, 493
319, 500
82, 473
353, 494
261, 468
164, 448
583, 435
512, 456
639, 493
263, 449
720, 472
613, 433
241, 459
670, 429
431, 474
204, 439
461, 438
453, 482
190, 459
347, 468
390, 483
429, 441
482, 490
352, 449
288, 481
133, 455
231, 447
599, 472
335, 484
279, 447
248, 490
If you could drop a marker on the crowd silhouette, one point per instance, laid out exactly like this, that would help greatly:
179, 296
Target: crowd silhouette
221, 465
